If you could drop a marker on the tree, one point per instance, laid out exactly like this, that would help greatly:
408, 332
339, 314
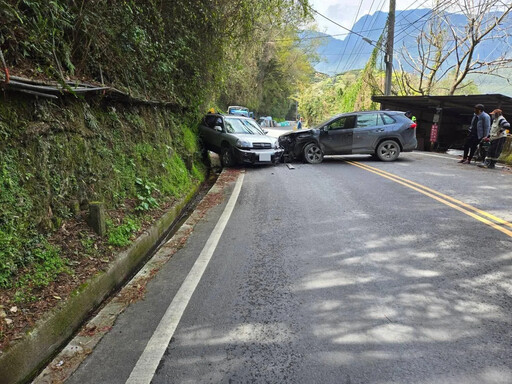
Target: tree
264, 73
447, 51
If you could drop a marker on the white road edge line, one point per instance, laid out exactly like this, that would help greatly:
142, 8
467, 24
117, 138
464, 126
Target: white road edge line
440, 156
147, 364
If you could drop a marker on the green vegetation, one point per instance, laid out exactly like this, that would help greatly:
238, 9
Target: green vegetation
55, 157
45, 265
53, 163
145, 192
347, 92
121, 234
191, 53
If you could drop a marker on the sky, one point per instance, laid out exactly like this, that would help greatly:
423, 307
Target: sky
345, 12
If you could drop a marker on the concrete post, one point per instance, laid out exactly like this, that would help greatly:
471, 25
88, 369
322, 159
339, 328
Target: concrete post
96, 219
189, 162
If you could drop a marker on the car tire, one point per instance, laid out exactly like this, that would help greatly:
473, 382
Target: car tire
388, 150
226, 156
313, 153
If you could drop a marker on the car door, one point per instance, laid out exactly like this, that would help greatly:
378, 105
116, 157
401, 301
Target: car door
211, 137
368, 129
336, 136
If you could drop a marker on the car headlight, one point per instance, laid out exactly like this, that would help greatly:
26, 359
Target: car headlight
243, 144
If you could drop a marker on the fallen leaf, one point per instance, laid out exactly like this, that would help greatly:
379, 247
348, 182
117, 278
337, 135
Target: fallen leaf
57, 297
8, 321
89, 331
14, 309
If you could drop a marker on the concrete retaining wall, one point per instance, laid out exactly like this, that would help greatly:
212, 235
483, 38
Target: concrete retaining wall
21, 361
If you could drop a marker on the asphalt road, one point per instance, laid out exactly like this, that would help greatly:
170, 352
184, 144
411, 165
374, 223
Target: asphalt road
338, 273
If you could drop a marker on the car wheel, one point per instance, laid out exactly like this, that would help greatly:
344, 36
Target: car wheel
313, 153
226, 157
388, 150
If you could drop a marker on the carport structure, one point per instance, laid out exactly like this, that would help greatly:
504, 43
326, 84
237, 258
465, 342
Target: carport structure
452, 114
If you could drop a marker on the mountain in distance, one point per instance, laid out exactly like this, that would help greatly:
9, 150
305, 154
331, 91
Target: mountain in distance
352, 52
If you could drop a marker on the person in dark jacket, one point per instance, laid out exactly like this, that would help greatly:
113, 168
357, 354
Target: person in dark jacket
480, 126
497, 136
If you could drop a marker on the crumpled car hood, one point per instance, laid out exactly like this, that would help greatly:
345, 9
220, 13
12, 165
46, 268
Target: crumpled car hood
295, 134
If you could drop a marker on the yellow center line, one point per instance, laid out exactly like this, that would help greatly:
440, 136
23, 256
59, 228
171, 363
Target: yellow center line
439, 197
480, 212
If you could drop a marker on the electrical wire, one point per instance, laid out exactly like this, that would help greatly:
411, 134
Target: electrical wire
332, 21
349, 36
430, 14
362, 46
359, 46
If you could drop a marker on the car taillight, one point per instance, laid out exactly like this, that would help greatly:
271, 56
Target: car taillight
413, 126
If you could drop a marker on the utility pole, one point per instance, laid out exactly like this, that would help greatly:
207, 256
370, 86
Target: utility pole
389, 47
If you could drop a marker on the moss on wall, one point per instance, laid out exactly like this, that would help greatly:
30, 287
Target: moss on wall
506, 154
55, 157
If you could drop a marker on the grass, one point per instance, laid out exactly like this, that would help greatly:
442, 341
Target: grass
121, 235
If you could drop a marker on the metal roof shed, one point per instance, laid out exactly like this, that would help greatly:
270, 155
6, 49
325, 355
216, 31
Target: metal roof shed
453, 115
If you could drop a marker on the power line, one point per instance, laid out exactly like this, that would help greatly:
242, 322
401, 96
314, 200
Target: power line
412, 24
332, 21
325, 35
349, 36
440, 7
361, 45
429, 13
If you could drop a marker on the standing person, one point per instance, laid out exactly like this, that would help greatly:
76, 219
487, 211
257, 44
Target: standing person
299, 124
409, 115
480, 126
497, 136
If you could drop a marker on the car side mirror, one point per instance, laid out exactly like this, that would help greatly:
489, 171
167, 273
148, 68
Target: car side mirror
218, 128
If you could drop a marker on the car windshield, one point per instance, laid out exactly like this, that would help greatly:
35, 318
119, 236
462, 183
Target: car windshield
254, 126
246, 126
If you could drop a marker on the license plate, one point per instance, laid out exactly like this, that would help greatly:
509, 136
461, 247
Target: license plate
265, 156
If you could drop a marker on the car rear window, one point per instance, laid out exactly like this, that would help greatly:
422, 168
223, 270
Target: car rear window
368, 120
387, 119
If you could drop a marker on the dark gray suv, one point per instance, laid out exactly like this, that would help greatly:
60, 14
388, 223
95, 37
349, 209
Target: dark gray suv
383, 134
